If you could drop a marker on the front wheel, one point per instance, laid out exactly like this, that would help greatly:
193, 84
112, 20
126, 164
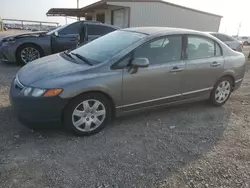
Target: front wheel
246, 43
221, 92
28, 53
88, 114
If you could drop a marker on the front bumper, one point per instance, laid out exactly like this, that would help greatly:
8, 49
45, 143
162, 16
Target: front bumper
7, 54
36, 111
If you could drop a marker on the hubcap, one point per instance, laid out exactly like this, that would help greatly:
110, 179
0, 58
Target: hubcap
29, 54
88, 115
222, 92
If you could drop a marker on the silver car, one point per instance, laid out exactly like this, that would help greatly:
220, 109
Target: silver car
125, 71
230, 41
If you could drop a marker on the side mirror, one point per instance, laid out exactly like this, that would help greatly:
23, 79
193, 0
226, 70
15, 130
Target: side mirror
56, 34
138, 63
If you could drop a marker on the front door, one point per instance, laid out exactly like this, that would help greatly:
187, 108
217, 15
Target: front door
66, 38
204, 65
158, 84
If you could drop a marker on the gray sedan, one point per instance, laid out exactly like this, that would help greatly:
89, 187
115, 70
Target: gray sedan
126, 71
26, 47
230, 41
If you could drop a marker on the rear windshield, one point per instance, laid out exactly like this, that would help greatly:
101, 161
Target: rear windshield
103, 48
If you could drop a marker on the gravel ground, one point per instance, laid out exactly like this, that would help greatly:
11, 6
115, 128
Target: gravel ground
194, 145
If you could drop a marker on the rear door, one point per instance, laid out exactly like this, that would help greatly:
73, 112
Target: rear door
96, 30
67, 38
204, 65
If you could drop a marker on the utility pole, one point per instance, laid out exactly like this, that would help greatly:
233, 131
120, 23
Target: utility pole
78, 8
238, 32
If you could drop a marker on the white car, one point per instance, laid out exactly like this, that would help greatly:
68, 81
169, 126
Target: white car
229, 41
245, 40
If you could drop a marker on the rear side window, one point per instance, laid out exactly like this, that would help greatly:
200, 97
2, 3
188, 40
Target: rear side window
99, 29
201, 47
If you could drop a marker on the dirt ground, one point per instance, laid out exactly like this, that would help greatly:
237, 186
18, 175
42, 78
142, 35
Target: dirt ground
194, 145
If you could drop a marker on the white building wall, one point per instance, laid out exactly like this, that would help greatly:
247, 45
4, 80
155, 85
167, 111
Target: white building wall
108, 14
160, 14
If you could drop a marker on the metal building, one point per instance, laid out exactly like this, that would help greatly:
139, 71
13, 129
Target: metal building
134, 13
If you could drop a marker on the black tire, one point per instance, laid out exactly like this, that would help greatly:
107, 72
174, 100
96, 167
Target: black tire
246, 43
214, 91
68, 112
18, 53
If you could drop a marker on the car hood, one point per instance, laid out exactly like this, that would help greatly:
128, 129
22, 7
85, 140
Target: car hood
30, 34
48, 67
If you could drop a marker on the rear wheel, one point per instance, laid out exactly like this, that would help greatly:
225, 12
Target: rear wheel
88, 114
28, 53
221, 92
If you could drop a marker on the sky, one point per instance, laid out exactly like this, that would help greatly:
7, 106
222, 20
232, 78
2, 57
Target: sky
234, 13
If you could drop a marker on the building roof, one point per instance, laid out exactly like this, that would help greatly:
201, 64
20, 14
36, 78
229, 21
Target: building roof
65, 12
103, 4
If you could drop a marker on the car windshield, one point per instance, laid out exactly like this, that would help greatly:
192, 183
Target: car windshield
57, 29
103, 48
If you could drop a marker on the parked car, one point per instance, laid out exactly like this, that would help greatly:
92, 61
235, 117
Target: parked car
27, 47
245, 40
228, 40
111, 76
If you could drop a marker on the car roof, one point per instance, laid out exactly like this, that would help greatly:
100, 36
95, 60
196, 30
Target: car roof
99, 23
162, 30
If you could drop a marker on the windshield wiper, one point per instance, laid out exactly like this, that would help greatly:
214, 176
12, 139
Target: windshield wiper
68, 54
82, 58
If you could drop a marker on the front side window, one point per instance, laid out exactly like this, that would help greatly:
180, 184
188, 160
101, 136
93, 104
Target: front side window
73, 28
199, 47
162, 50
105, 47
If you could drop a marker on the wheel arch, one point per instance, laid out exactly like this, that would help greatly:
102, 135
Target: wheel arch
29, 43
105, 94
229, 75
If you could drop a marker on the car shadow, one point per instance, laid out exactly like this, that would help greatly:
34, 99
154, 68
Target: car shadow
138, 150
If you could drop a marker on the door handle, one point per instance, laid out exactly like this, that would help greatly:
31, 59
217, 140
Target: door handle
176, 69
215, 64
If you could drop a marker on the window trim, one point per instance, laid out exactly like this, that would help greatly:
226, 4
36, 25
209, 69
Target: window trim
205, 37
113, 66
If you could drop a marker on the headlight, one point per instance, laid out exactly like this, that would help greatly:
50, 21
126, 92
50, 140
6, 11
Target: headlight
37, 92
26, 91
